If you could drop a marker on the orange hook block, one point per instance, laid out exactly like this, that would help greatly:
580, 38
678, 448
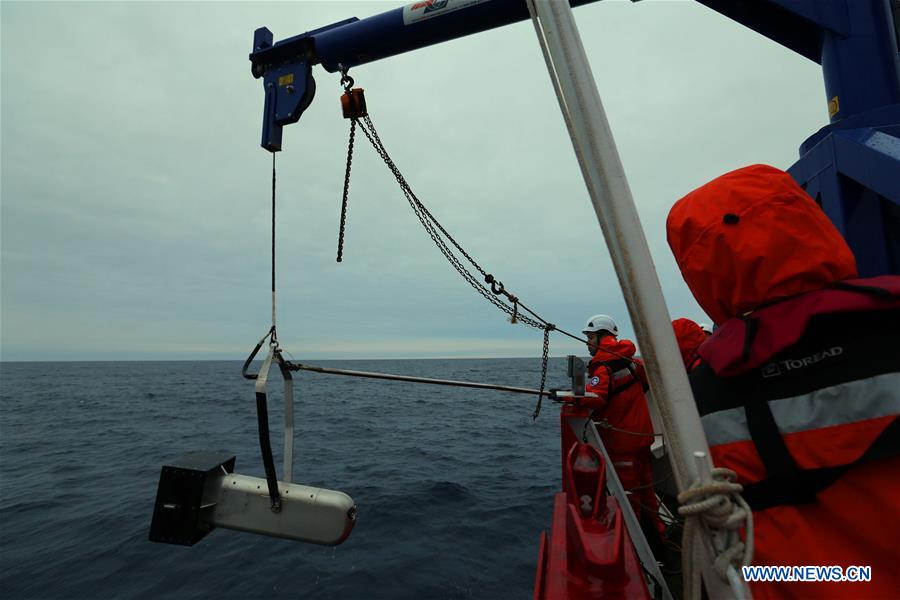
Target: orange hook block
353, 102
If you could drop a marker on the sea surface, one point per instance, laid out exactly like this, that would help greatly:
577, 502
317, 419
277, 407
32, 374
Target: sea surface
453, 485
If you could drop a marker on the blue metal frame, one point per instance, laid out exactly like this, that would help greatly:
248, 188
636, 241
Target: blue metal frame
854, 173
286, 66
851, 167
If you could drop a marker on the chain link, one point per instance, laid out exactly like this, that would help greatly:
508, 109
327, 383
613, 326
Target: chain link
604, 424
379, 147
340, 249
435, 229
544, 358
438, 234
426, 218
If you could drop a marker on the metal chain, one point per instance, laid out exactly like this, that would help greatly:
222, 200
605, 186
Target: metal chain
544, 358
604, 424
430, 223
379, 147
340, 249
434, 228
438, 234
425, 217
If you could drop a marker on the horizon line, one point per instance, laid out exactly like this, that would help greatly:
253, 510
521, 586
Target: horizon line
99, 360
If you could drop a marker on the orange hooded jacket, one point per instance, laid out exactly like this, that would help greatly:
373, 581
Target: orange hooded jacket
764, 262
690, 337
751, 237
619, 381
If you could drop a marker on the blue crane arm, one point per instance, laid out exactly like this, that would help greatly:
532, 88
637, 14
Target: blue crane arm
286, 66
355, 42
855, 41
850, 166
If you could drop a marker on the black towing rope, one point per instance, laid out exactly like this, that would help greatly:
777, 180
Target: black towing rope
261, 378
354, 104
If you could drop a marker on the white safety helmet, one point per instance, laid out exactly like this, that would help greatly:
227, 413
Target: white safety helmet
601, 323
707, 328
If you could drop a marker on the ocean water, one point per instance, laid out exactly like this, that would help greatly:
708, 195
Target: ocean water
453, 485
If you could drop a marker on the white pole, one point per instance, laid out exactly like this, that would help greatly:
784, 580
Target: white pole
608, 188
612, 201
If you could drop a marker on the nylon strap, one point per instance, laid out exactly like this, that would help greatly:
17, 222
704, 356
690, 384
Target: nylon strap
262, 411
770, 492
780, 466
265, 444
288, 418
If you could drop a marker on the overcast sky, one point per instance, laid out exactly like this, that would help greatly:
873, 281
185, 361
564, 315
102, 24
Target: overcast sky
135, 196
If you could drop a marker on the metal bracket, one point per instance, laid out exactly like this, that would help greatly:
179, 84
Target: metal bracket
575, 369
289, 88
614, 487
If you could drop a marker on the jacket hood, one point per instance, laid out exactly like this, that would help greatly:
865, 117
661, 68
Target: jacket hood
689, 336
611, 349
753, 236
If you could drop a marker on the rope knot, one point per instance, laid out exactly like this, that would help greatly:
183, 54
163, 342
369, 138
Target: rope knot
721, 508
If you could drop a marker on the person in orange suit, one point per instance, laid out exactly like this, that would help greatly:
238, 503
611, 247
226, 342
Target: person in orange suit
799, 389
689, 336
619, 408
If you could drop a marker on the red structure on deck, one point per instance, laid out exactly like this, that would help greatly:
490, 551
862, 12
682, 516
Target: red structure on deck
588, 553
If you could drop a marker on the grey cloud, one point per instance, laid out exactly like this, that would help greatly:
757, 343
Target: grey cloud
135, 198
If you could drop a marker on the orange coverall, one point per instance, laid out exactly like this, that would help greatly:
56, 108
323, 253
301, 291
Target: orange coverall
764, 261
619, 381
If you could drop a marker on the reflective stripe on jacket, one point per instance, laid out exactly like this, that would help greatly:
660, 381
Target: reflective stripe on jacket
795, 414
798, 386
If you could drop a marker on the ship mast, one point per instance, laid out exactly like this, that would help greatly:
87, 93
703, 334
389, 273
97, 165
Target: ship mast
611, 198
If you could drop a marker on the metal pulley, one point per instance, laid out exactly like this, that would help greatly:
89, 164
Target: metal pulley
353, 103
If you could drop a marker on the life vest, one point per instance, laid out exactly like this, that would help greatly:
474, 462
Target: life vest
797, 393
621, 374
798, 389
619, 383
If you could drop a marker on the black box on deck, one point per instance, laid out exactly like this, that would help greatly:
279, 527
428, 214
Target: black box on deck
178, 512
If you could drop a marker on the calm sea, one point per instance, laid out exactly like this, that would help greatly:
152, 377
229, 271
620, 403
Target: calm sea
453, 485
